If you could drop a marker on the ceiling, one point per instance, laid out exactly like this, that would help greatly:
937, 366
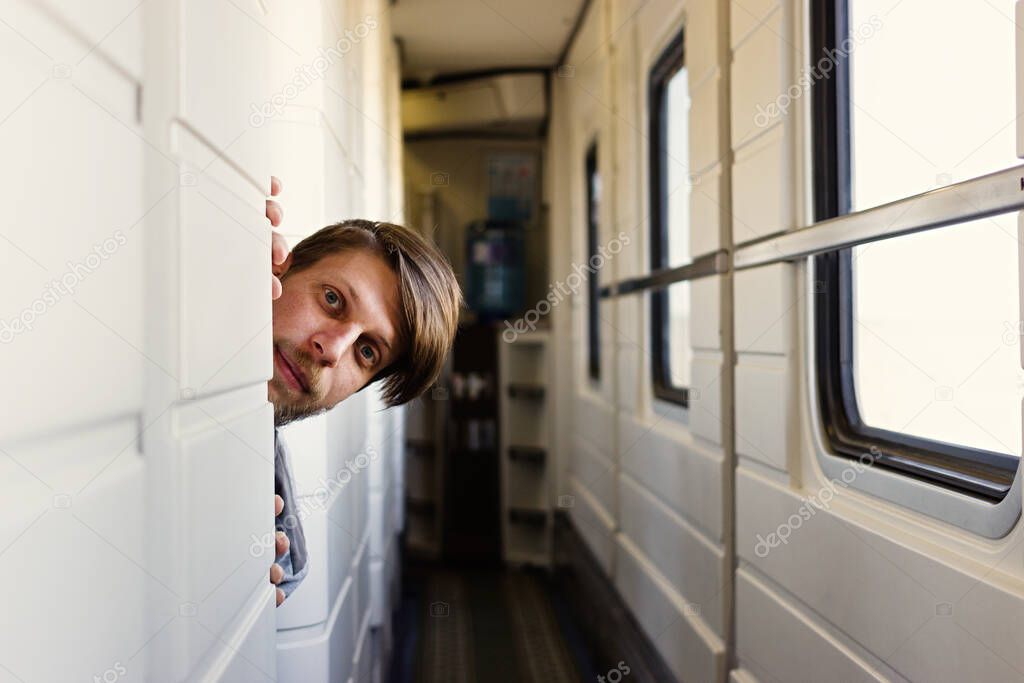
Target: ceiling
446, 37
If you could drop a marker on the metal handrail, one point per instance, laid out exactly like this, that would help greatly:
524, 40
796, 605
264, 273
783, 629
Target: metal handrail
714, 263
987, 195
980, 197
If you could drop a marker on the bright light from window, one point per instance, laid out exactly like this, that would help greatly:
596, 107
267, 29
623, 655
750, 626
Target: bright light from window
936, 343
677, 115
680, 353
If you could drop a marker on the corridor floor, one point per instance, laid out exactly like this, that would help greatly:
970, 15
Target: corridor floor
485, 626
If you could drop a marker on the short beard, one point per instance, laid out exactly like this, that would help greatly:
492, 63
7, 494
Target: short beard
307, 405
285, 414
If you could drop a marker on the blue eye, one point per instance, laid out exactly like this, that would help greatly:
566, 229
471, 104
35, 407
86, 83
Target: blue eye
366, 347
331, 297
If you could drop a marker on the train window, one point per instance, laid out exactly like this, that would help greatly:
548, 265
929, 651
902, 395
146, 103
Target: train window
917, 335
904, 141
670, 109
670, 229
930, 351
593, 177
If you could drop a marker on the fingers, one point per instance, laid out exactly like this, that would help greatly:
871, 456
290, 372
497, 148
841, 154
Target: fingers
280, 260
278, 249
281, 542
278, 245
274, 212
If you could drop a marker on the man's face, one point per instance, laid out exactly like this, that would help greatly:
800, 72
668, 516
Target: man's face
336, 325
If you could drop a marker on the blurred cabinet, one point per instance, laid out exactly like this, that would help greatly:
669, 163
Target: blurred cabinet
424, 473
526, 468
479, 477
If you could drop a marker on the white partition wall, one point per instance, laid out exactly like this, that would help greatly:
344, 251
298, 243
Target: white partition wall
865, 587
675, 504
73, 317
588, 487
136, 448
645, 482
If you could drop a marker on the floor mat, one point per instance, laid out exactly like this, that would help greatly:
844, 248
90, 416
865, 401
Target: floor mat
447, 643
544, 654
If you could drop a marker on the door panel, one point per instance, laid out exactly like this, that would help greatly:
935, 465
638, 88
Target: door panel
73, 550
72, 266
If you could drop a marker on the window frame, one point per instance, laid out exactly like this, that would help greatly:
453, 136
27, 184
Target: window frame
983, 475
669, 62
593, 286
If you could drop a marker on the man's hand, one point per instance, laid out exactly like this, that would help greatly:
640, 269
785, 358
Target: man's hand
278, 246
281, 546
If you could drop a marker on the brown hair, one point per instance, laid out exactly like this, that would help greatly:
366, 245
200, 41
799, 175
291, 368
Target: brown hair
429, 293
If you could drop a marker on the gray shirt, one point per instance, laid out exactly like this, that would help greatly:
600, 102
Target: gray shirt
295, 562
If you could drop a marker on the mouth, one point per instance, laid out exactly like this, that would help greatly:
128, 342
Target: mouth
291, 372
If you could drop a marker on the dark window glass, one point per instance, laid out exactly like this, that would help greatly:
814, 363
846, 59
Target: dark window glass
593, 296
670, 229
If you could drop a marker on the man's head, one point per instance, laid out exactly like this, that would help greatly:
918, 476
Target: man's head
361, 302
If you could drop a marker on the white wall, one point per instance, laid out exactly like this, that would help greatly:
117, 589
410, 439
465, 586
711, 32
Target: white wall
647, 480
867, 588
671, 502
136, 446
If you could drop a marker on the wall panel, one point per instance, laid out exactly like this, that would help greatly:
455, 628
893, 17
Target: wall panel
684, 473
705, 212
764, 409
691, 563
138, 444
658, 533
919, 597
73, 267
761, 205
689, 647
73, 510
758, 605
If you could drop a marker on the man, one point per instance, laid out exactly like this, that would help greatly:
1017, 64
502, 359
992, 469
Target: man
355, 303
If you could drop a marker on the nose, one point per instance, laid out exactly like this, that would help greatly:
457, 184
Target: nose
332, 341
